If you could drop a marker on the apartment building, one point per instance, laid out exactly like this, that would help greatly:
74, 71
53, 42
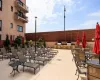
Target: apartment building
12, 18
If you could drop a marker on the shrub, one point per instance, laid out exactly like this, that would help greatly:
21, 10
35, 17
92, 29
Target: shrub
27, 43
18, 41
31, 42
41, 42
7, 41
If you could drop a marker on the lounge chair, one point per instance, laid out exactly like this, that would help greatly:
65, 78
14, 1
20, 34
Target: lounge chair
1, 56
14, 54
4, 53
80, 70
80, 63
37, 57
24, 62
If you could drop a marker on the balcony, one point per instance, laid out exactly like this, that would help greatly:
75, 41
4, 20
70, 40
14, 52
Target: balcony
21, 17
20, 5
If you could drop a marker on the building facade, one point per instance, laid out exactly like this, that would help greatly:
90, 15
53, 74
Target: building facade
12, 18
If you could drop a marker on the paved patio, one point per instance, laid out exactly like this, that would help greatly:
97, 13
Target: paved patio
60, 67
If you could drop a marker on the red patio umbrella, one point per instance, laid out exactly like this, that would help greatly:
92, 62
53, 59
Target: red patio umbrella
78, 39
83, 39
22, 40
96, 48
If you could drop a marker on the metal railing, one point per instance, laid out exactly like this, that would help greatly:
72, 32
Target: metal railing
21, 15
22, 4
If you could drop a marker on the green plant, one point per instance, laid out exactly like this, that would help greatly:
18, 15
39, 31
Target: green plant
31, 42
41, 42
18, 40
44, 43
27, 43
7, 41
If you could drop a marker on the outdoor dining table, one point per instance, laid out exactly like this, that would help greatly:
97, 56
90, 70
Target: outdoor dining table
89, 55
93, 70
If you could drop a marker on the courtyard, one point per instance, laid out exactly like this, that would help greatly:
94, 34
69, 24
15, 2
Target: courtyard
61, 67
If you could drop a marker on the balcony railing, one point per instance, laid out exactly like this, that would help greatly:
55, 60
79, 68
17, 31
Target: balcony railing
21, 5
21, 17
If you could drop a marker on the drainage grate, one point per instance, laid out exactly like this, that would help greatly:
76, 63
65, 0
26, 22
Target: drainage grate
58, 59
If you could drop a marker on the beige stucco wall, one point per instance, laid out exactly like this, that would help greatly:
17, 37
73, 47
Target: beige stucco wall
7, 17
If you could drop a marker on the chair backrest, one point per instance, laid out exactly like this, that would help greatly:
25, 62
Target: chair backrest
12, 48
39, 52
80, 55
3, 51
32, 54
21, 57
14, 52
24, 51
25, 47
19, 48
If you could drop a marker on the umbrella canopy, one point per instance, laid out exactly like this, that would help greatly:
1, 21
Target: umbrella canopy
78, 39
96, 48
83, 39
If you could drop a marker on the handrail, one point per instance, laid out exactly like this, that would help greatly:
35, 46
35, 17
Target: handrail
22, 4
23, 16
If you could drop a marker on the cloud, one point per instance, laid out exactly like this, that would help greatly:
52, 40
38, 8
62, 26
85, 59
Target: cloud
41, 9
44, 10
89, 24
95, 14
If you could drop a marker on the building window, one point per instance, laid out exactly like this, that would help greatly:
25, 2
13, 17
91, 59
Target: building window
0, 25
20, 28
0, 5
11, 8
11, 25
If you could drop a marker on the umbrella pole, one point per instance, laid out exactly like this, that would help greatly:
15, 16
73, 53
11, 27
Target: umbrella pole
99, 58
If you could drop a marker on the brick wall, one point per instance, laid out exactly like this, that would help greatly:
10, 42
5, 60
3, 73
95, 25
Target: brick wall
71, 35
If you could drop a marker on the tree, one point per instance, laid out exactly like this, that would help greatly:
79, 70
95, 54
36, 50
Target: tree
18, 40
7, 41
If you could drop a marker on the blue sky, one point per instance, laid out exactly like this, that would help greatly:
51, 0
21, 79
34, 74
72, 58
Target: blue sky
80, 14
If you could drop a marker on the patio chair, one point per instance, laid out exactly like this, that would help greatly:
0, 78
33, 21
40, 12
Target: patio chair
44, 55
4, 53
12, 48
80, 70
37, 57
80, 62
73, 51
14, 64
81, 58
54, 52
1, 56
19, 48
24, 62
24, 51
14, 54
48, 52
